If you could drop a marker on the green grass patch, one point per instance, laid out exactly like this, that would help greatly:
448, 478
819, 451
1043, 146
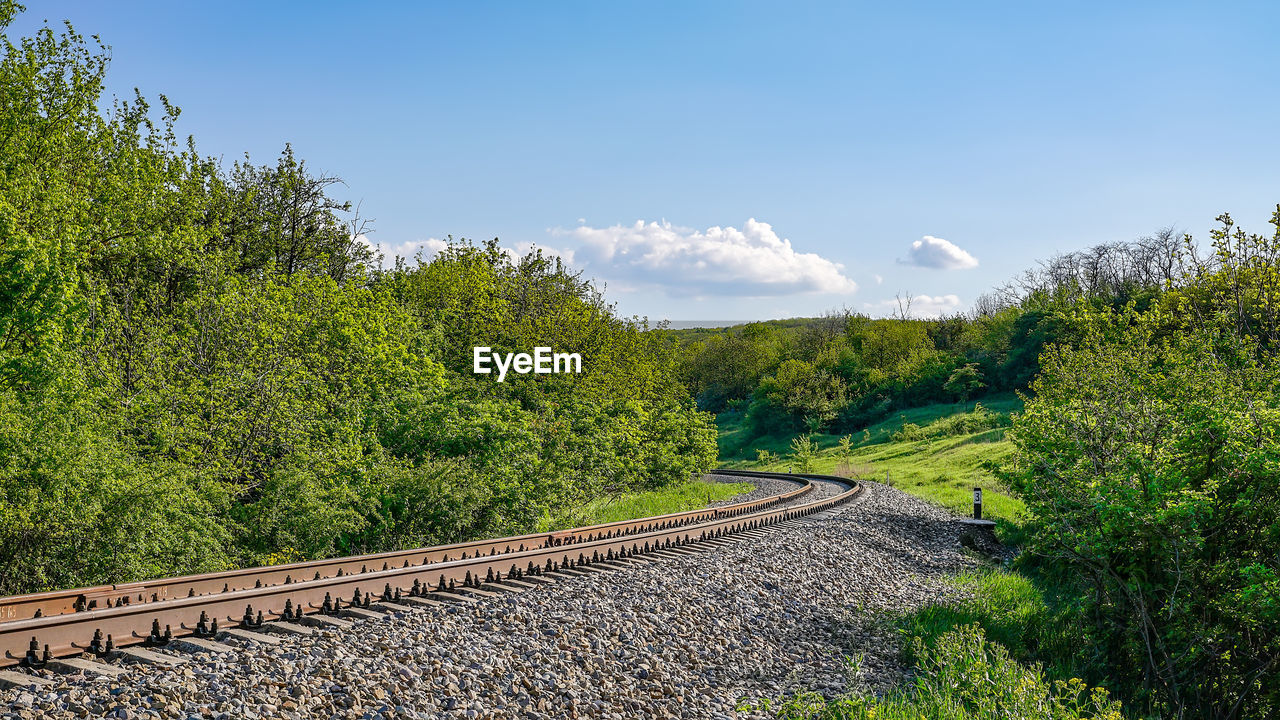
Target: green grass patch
629, 506
737, 444
963, 675
1000, 652
1012, 610
942, 467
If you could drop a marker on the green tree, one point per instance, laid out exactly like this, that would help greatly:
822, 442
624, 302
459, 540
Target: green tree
201, 368
50, 136
965, 381
1147, 458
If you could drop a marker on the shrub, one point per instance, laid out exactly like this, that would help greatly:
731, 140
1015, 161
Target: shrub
964, 676
1148, 463
803, 452
909, 432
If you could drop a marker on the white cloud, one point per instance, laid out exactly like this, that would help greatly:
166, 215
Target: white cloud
407, 250
524, 248
922, 306
934, 252
751, 262
879, 280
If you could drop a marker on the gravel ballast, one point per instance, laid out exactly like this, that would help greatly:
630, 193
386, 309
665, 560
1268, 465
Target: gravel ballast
685, 637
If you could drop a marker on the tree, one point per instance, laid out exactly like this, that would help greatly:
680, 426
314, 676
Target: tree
201, 368
282, 220
965, 381
1147, 459
51, 135
846, 447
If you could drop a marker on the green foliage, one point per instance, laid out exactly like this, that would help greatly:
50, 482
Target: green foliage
965, 381
50, 134
647, 503
203, 367
80, 505
803, 451
764, 457
962, 676
845, 447
943, 468
978, 420
1147, 460
844, 372
910, 432
1012, 610
804, 392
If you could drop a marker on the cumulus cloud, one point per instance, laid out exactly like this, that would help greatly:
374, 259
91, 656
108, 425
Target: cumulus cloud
407, 250
751, 262
934, 252
922, 306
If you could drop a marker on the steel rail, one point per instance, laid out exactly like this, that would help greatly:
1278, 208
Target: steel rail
57, 602
131, 624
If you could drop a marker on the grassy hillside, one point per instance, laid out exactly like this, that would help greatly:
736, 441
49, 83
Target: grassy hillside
943, 469
629, 506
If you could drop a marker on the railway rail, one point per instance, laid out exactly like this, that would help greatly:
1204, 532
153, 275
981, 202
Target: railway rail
38, 628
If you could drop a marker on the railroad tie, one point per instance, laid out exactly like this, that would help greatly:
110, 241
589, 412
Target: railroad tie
663, 553
476, 592
322, 621
285, 628
150, 657
680, 551
446, 596
418, 602
499, 589
251, 636
356, 613
77, 665
538, 579
199, 645
21, 681
522, 584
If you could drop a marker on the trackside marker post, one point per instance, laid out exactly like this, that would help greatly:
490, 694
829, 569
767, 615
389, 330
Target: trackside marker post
977, 503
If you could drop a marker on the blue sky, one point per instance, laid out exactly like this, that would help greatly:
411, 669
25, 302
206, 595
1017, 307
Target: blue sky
781, 159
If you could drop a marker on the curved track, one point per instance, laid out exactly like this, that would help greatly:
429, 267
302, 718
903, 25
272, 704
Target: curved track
37, 627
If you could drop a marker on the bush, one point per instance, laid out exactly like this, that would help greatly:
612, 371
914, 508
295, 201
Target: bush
1150, 466
909, 432
963, 676
979, 420
803, 452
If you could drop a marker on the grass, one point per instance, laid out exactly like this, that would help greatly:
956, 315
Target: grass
737, 445
629, 506
944, 470
1001, 652
1012, 610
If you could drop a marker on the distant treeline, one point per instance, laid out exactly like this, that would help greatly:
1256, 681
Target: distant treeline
204, 366
844, 371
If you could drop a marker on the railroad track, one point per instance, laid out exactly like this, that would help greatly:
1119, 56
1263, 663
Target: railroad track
44, 628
